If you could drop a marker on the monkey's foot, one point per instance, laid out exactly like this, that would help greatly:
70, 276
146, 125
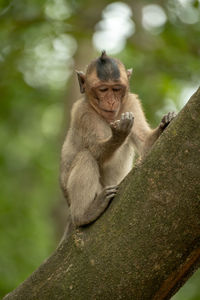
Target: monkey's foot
167, 119
108, 192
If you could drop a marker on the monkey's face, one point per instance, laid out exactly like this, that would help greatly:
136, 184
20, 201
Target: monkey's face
107, 99
105, 83
106, 96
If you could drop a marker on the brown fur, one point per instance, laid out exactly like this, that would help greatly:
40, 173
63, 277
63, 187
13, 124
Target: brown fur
97, 154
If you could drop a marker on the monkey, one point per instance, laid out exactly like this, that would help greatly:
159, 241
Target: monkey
107, 128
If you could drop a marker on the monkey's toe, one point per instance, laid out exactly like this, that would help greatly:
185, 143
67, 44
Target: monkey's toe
111, 191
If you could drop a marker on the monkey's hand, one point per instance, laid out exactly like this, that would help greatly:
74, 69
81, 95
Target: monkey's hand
121, 128
166, 120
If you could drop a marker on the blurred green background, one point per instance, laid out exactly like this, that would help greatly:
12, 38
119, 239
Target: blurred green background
42, 42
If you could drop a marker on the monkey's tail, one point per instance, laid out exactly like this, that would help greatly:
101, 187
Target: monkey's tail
68, 230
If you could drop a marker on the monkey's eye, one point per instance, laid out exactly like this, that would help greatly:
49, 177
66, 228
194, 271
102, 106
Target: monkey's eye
116, 89
103, 89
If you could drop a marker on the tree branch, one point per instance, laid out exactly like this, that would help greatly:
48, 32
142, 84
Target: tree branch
147, 243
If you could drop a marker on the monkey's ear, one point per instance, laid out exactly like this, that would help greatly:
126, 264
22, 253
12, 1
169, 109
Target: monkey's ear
129, 73
81, 80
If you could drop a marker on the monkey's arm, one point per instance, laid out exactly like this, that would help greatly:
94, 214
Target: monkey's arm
141, 130
157, 131
103, 148
142, 135
120, 130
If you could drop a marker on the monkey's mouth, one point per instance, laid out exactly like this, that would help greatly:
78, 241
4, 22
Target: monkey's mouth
110, 111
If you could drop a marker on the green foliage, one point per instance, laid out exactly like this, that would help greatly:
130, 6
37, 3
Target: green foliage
38, 41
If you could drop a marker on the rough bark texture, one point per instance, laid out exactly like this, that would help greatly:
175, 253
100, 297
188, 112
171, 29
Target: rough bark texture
147, 243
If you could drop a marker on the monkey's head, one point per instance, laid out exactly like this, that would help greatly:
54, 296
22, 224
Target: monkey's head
105, 83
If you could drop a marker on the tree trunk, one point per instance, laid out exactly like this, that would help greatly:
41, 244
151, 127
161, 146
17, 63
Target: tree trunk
147, 243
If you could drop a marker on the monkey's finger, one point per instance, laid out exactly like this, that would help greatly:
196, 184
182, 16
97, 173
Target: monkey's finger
171, 116
174, 114
110, 196
122, 116
130, 115
111, 190
164, 121
111, 193
168, 117
112, 187
127, 125
127, 115
162, 124
115, 124
114, 190
131, 122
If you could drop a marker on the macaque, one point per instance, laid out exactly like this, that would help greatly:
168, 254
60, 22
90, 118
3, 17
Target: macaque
107, 126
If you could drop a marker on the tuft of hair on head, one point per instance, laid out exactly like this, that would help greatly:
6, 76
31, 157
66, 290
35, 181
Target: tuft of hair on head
103, 56
107, 67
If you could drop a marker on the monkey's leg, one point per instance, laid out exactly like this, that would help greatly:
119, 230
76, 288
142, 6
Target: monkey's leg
87, 197
99, 204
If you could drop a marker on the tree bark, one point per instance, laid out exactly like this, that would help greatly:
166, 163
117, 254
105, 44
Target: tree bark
147, 243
